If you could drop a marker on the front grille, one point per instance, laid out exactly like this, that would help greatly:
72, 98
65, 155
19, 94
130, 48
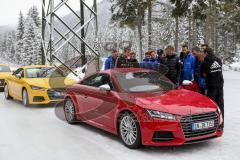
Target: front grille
56, 94
38, 99
162, 136
187, 121
2, 82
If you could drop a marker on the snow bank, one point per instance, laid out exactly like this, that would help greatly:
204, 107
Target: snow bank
235, 66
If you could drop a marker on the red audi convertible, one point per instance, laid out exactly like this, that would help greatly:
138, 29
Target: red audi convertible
142, 107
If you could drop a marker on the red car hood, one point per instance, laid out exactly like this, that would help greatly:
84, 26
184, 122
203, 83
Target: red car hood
179, 102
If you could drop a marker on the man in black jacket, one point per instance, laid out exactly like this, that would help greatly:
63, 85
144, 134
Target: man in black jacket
212, 70
172, 63
122, 60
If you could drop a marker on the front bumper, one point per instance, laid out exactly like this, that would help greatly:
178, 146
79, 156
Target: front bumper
45, 96
172, 133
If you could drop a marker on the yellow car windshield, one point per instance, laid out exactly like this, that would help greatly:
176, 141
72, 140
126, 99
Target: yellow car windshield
4, 69
42, 73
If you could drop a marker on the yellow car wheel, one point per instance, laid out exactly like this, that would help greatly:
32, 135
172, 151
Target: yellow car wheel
6, 93
25, 98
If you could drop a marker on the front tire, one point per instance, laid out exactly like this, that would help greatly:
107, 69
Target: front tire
129, 130
6, 93
70, 111
25, 98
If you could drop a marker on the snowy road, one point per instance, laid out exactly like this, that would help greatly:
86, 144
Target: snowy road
36, 133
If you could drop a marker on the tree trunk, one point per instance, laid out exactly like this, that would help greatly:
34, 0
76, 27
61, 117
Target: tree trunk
140, 20
140, 51
149, 24
194, 32
176, 34
223, 56
190, 30
211, 26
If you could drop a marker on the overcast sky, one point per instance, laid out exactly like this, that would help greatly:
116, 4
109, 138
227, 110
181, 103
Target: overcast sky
9, 9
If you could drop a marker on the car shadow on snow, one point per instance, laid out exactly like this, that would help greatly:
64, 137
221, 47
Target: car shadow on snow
42, 106
195, 147
178, 149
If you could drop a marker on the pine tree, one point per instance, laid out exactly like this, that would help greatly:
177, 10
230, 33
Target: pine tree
29, 42
131, 14
10, 46
32, 38
33, 12
19, 39
4, 46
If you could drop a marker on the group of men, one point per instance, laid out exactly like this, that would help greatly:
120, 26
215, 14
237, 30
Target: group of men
199, 65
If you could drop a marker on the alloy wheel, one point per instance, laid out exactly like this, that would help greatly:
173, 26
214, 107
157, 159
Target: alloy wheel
128, 130
25, 98
69, 111
6, 93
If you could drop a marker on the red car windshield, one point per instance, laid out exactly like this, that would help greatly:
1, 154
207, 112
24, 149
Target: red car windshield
144, 82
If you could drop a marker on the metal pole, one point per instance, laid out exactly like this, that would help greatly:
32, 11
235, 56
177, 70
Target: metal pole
51, 30
96, 32
52, 49
43, 32
82, 20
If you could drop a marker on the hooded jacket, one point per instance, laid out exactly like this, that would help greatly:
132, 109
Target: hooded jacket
109, 63
211, 69
200, 79
150, 64
172, 64
188, 67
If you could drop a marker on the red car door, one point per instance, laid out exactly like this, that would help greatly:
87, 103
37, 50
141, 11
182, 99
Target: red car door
99, 107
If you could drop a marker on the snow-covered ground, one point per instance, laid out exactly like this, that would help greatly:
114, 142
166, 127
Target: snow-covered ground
37, 133
235, 66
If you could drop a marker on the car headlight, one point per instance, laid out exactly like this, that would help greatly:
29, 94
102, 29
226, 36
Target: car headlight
37, 88
220, 115
161, 115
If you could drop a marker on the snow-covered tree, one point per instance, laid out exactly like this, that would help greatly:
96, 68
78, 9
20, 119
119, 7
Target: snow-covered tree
19, 40
31, 43
33, 12
10, 46
4, 46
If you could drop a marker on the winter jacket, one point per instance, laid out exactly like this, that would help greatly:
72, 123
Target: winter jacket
109, 63
151, 64
133, 63
172, 64
121, 62
211, 69
188, 67
201, 80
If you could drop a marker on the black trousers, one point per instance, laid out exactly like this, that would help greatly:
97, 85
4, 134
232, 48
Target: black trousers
217, 95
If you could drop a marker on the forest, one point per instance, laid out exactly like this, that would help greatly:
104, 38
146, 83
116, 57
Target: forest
146, 24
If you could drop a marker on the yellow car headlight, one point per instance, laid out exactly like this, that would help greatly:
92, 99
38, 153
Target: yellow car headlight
37, 88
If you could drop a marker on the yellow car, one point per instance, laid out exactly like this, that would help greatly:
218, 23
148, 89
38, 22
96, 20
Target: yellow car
36, 85
4, 73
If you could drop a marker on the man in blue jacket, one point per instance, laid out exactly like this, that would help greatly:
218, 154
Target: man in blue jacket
111, 60
199, 60
150, 62
187, 61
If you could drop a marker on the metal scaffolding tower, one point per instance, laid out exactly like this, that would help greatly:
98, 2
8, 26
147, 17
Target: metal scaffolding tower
54, 39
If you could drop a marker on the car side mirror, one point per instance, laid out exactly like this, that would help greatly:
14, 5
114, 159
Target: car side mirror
19, 76
187, 83
105, 88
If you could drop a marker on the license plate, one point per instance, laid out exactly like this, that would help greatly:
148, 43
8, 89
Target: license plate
202, 125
